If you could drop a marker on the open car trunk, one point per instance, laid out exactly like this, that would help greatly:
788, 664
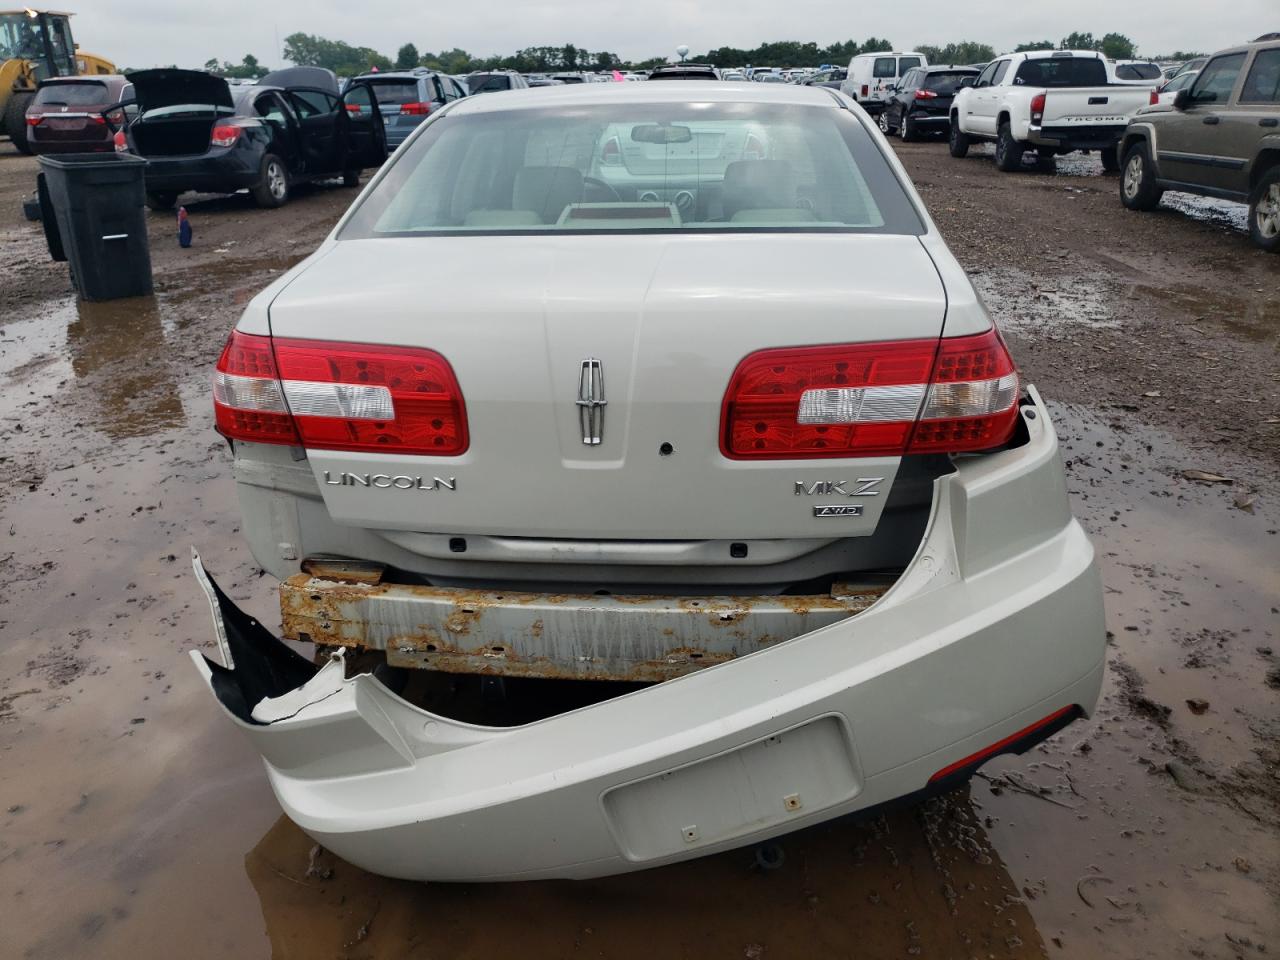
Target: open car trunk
172, 136
177, 110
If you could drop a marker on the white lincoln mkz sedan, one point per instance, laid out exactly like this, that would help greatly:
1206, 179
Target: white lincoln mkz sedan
652, 482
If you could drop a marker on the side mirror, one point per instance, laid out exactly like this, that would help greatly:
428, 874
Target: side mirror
968, 82
1181, 99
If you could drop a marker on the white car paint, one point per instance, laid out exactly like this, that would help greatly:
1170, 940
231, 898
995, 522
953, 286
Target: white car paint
993, 625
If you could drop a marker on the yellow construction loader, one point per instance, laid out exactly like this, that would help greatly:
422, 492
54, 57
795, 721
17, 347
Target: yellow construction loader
36, 45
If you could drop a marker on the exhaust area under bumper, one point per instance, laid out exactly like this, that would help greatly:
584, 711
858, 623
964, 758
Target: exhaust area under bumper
992, 639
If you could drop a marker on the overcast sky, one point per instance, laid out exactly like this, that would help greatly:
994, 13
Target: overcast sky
135, 33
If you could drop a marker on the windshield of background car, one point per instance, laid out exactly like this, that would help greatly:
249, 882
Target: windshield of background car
394, 92
1062, 72
487, 82
1138, 71
188, 110
639, 168
81, 93
946, 84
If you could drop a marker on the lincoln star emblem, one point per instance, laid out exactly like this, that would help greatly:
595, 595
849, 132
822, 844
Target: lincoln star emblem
591, 401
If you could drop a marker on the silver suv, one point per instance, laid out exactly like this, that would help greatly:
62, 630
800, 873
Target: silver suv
1220, 138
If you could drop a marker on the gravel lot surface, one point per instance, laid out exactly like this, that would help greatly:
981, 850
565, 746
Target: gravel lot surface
135, 823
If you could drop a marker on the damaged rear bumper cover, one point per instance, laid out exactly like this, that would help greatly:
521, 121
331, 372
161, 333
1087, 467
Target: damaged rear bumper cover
992, 638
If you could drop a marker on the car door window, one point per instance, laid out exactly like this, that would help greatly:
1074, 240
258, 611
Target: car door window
1217, 79
1002, 67
312, 103
436, 89
984, 78
270, 108
884, 68
1263, 82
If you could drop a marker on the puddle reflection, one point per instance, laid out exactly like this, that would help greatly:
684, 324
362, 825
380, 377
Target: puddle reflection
921, 881
118, 354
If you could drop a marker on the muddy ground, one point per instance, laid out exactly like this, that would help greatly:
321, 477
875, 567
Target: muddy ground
134, 822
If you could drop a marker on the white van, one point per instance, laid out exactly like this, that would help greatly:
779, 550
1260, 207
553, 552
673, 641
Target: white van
871, 74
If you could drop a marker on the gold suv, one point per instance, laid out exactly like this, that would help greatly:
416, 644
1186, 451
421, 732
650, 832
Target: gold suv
1221, 138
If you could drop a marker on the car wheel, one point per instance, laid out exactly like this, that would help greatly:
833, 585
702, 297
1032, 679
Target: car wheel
1264, 212
15, 120
1138, 190
884, 123
351, 178
908, 131
272, 189
957, 139
1008, 150
161, 201
1110, 158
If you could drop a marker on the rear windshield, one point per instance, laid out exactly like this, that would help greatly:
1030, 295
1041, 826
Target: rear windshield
947, 83
1138, 71
394, 92
81, 93
632, 168
885, 67
1062, 72
486, 82
907, 63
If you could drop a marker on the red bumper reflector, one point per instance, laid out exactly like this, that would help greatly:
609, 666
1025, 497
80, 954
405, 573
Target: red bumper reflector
974, 759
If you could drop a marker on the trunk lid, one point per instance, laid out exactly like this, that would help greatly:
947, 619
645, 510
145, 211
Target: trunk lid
154, 89
668, 319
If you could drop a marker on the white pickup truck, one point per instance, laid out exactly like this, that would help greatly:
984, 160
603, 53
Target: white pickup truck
1049, 101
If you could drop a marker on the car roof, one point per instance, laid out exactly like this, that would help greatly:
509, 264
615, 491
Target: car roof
1265, 42
669, 91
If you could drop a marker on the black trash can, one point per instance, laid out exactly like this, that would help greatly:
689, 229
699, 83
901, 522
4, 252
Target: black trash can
100, 221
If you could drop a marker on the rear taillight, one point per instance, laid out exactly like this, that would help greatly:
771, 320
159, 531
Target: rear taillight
926, 95
611, 152
353, 108
1153, 99
339, 396
871, 399
1037, 108
120, 142
225, 135
34, 121
865, 90
415, 109
248, 402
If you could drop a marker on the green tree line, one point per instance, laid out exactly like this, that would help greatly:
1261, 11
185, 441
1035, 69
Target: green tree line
344, 59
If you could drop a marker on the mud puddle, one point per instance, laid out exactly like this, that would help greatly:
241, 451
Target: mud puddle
1036, 305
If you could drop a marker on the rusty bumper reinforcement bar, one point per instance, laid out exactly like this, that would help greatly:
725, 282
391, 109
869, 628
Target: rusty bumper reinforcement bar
638, 638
